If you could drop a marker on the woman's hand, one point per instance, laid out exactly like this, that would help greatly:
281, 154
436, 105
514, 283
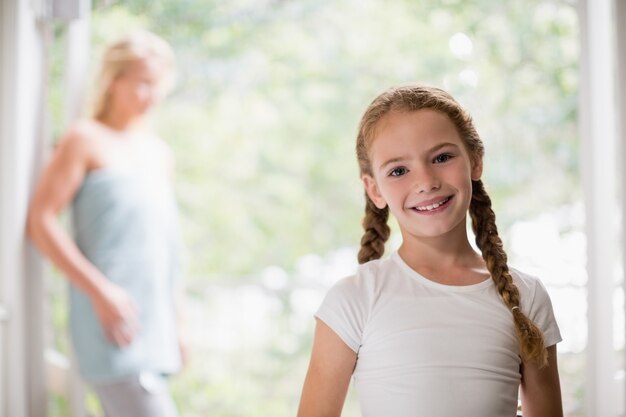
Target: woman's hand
117, 312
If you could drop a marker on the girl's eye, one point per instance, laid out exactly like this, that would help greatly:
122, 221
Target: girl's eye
444, 157
397, 172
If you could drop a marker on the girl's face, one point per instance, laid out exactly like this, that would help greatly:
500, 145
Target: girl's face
422, 171
136, 90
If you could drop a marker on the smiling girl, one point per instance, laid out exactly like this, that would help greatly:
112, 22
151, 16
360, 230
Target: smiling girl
436, 329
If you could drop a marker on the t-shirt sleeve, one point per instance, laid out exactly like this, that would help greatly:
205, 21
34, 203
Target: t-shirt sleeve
542, 314
344, 310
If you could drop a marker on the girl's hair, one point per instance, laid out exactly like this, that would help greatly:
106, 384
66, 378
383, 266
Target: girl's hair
417, 97
119, 55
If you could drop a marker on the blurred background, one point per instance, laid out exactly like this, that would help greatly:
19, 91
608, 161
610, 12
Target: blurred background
263, 122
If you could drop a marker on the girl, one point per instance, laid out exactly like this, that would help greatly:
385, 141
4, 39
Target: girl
436, 329
125, 253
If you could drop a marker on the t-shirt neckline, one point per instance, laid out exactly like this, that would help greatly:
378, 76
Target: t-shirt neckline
395, 256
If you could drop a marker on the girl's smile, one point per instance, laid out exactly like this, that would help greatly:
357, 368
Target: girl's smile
432, 206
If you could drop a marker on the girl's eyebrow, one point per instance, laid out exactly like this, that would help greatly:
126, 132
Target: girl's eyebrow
429, 151
392, 161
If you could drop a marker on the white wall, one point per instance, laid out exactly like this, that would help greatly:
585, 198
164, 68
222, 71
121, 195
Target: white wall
620, 47
22, 390
602, 182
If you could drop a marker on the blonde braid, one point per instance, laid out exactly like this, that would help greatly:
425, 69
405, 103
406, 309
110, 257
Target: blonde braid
484, 224
376, 232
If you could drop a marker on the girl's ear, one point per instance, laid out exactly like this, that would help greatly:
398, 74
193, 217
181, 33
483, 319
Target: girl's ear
477, 169
371, 188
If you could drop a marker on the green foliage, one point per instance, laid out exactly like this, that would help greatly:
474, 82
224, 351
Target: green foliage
263, 123
270, 93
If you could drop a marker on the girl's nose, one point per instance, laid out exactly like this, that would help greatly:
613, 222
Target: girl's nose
426, 181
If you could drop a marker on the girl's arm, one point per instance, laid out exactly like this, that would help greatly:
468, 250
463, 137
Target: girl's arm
328, 377
541, 390
57, 186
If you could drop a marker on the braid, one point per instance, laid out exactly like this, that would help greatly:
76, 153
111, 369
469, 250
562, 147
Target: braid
484, 224
376, 232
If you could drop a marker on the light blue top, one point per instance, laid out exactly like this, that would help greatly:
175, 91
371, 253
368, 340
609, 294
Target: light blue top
127, 227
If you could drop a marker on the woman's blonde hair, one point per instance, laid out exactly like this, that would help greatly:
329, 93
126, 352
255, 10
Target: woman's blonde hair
417, 97
120, 54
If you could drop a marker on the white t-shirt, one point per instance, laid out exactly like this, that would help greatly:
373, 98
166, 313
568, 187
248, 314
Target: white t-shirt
430, 350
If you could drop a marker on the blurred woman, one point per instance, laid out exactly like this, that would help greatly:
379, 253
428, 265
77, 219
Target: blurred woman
124, 255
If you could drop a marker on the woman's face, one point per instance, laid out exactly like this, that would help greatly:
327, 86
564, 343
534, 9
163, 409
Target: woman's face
137, 89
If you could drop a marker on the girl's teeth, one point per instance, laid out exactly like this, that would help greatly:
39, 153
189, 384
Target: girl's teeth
431, 206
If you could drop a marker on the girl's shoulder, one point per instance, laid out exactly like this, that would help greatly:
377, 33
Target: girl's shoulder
376, 269
353, 297
368, 278
536, 304
524, 280
531, 287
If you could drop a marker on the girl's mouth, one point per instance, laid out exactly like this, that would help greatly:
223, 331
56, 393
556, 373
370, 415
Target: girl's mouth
433, 207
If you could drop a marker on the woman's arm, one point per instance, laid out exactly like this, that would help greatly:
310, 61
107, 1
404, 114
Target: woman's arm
328, 377
57, 186
541, 389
